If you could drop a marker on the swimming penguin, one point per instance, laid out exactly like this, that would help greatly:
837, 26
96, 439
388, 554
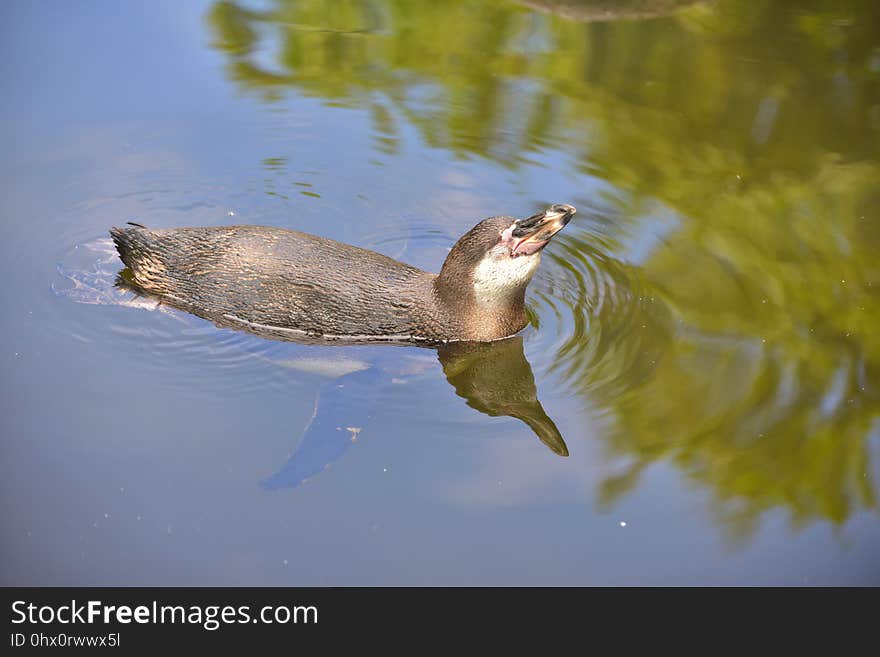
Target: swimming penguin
275, 280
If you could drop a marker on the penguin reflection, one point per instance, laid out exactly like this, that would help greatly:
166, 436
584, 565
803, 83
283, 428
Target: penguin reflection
492, 377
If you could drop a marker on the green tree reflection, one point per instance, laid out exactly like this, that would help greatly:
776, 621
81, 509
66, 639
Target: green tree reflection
757, 124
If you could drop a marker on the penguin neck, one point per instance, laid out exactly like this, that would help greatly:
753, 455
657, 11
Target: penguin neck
486, 299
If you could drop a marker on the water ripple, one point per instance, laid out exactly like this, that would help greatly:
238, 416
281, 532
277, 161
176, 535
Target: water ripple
601, 327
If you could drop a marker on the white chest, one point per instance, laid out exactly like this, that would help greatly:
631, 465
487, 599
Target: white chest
496, 280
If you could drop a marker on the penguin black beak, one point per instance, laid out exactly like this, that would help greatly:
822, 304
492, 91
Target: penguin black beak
532, 234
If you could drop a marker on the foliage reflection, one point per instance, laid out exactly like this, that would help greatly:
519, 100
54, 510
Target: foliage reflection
754, 124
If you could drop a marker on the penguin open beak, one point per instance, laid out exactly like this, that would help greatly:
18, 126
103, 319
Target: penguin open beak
530, 235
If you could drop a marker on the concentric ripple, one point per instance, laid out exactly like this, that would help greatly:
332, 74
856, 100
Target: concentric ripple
600, 326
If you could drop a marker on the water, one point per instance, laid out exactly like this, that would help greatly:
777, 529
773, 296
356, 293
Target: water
704, 332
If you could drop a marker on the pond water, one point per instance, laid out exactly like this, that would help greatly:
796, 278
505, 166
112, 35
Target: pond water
704, 341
